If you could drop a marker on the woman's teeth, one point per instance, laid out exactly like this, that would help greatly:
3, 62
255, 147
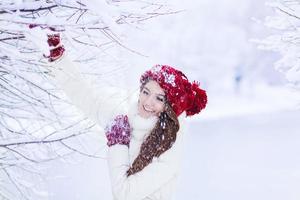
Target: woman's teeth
148, 110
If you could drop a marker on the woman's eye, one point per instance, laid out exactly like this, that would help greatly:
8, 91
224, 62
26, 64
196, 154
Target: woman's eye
160, 99
145, 92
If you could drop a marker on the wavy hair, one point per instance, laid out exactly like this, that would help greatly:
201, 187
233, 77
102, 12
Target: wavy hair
160, 139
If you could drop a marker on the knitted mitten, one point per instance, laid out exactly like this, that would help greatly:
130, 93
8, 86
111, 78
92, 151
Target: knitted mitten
56, 49
118, 132
37, 35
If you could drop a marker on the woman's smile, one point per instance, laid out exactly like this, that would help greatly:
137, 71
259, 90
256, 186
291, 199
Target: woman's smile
151, 100
148, 110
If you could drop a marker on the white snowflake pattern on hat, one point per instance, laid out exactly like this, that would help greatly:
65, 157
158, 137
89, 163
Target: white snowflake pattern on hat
156, 69
169, 78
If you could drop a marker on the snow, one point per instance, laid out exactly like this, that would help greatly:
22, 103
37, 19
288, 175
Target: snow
244, 157
249, 100
237, 156
244, 145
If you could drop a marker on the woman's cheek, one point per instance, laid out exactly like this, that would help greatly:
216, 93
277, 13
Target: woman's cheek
160, 108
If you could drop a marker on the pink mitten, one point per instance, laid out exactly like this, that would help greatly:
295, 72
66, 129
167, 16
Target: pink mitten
118, 132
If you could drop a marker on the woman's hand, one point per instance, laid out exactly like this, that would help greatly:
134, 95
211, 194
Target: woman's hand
38, 36
56, 48
118, 132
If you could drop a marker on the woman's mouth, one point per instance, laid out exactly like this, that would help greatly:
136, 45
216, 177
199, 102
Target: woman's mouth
148, 110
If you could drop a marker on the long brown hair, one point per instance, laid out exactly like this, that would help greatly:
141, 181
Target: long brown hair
160, 139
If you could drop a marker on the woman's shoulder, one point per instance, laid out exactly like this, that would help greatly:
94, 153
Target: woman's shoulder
124, 100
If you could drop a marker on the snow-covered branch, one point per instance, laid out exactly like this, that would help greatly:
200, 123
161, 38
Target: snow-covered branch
286, 38
37, 123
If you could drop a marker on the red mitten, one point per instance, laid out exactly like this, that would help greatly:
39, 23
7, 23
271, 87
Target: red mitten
56, 48
38, 34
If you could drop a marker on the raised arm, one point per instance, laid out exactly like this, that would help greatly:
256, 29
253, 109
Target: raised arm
99, 105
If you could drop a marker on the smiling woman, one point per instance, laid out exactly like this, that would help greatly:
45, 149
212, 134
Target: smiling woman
151, 100
144, 135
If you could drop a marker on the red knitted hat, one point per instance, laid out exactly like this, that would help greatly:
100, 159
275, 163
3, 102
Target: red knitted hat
180, 93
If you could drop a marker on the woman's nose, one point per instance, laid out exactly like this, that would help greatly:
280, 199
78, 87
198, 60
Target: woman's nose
149, 101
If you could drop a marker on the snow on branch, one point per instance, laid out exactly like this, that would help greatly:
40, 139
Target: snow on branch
285, 39
37, 123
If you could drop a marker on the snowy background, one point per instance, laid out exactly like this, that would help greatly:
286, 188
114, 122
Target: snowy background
245, 145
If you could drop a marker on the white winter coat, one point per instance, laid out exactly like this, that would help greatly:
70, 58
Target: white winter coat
157, 180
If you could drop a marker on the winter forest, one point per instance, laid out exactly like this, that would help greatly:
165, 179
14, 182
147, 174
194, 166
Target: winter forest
245, 54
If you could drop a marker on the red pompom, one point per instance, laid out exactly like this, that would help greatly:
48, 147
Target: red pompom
199, 100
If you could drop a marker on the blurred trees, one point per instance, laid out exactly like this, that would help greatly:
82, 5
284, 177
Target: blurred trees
285, 38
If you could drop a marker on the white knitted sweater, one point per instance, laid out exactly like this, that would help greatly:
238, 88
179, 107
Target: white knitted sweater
157, 180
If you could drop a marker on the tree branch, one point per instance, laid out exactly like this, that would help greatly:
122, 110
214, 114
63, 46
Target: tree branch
29, 10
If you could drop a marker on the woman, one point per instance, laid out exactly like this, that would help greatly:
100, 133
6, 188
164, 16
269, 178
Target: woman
144, 133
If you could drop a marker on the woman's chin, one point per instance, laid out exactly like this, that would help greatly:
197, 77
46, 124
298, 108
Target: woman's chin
145, 114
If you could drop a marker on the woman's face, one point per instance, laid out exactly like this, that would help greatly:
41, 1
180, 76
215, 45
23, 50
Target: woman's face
151, 100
